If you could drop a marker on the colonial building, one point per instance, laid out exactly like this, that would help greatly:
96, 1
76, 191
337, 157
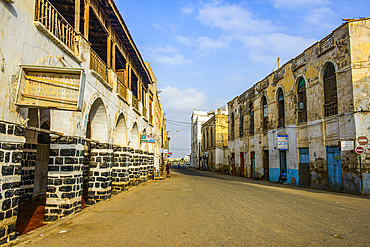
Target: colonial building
215, 142
306, 118
197, 119
77, 97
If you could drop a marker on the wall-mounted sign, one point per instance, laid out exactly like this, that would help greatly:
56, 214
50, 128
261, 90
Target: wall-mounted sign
164, 151
283, 142
50, 87
362, 140
347, 145
148, 138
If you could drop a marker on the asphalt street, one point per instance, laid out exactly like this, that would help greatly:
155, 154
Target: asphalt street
200, 208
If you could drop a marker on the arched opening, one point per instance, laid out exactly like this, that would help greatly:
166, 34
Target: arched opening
281, 108
264, 113
134, 141
302, 104
251, 119
98, 121
120, 134
96, 130
330, 90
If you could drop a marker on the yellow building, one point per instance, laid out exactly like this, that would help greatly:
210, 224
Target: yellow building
214, 143
306, 117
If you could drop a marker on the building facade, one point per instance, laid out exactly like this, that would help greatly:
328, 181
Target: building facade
306, 117
197, 119
77, 96
215, 143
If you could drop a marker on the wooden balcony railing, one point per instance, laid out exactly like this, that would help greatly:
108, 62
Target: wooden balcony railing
53, 21
121, 89
144, 111
135, 103
121, 83
98, 65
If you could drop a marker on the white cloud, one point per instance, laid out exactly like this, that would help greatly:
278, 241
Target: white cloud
182, 101
177, 59
218, 103
205, 43
168, 55
183, 40
187, 10
232, 18
320, 18
266, 48
298, 4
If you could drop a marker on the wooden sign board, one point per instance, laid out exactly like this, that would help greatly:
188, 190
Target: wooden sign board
50, 87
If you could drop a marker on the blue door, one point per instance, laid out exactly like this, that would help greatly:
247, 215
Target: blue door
304, 167
334, 168
283, 161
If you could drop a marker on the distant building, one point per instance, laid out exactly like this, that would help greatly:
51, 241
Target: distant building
197, 119
296, 117
214, 142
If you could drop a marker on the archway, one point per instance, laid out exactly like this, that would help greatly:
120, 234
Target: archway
120, 132
134, 140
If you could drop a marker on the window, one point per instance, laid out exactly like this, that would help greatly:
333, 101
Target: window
251, 119
207, 139
281, 110
204, 141
241, 122
232, 126
330, 91
302, 105
264, 113
211, 137
134, 81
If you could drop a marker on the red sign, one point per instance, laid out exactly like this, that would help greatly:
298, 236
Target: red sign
359, 150
362, 140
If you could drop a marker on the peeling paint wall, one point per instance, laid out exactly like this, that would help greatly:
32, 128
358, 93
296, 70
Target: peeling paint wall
347, 48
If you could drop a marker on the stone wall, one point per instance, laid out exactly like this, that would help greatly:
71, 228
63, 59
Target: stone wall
11, 153
64, 184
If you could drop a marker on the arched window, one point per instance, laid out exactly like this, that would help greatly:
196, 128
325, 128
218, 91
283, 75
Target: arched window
232, 129
302, 104
251, 119
204, 140
211, 137
330, 90
281, 110
241, 122
264, 113
207, 139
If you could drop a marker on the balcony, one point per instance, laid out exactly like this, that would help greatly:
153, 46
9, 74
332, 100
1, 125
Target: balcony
99, 67
144, 111
56, 27
121, 84
135, 103
326, 43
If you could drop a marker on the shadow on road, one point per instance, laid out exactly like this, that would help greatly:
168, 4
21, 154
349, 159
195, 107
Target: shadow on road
223, 176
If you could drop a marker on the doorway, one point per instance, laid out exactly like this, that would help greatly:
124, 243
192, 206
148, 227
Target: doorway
86, 167
283, 166
334, 168
241, 164
233, 163
304, 167
253, 165
265, 162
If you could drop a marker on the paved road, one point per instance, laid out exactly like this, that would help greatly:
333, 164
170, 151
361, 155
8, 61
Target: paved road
197, 208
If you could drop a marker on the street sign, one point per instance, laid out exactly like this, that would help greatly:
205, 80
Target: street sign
347, 145
362, 140
360, 150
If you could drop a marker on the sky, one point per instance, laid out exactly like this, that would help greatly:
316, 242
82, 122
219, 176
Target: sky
205, 53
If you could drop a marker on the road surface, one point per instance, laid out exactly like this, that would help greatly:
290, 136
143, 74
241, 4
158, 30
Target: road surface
200, 208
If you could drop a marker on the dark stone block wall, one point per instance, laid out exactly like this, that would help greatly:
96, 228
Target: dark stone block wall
120, 169
64, 188
100, 172
28, 171
11, 155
